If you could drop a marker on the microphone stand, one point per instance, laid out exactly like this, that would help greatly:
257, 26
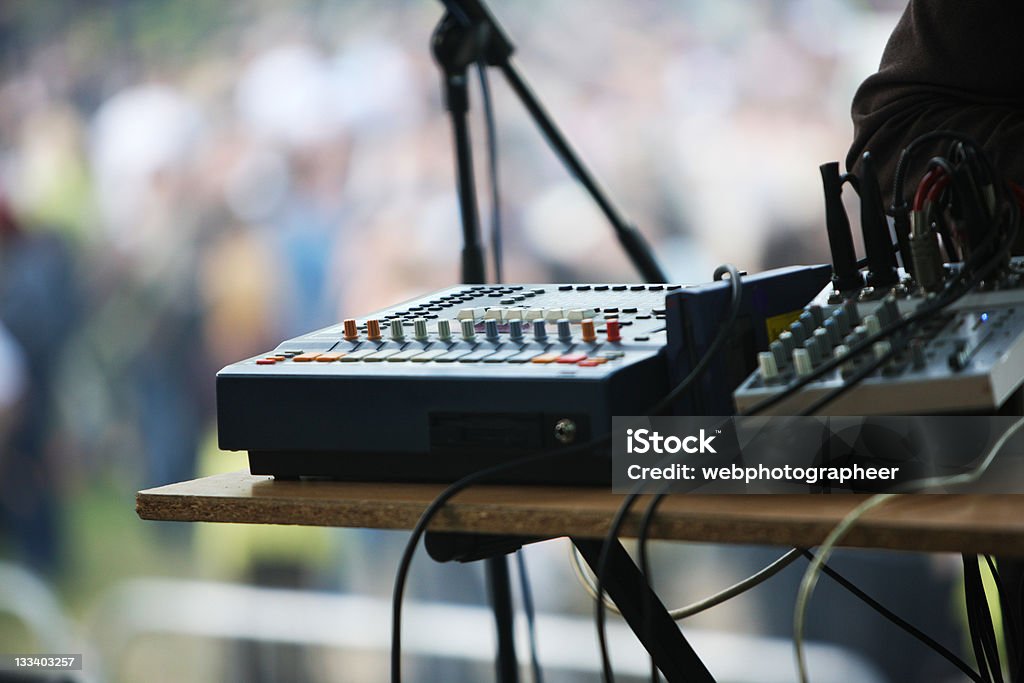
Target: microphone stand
467, 34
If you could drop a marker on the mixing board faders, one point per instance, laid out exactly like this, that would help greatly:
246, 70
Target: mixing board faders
475, 373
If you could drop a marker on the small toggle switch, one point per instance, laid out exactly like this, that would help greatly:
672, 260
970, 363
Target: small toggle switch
587, 331
351, 331
373, 329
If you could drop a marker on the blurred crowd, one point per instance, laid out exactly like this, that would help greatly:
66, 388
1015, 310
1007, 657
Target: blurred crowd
184, 183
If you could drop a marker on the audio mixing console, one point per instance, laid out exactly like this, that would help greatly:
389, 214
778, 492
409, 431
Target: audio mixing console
968, 358
470, 376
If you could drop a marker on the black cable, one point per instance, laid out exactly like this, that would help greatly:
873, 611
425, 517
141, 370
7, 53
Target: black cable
899, 621
492, 170
736, 299
531, 616
431, 511
980, 622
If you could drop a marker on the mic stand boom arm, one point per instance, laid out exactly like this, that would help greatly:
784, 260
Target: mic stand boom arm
468, 33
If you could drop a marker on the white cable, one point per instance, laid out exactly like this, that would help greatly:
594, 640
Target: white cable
701, 605
837, 534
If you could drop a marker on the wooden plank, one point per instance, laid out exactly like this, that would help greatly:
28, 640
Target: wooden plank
960, 523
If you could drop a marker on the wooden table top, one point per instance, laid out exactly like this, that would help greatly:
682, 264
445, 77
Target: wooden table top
961, 523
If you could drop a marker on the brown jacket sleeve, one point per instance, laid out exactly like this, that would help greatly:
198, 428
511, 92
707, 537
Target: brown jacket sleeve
949, 64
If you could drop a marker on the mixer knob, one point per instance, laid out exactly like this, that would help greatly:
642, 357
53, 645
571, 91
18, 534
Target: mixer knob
798, 332
587, 331
373, 329
892, 309
802, 362
491, 330
842, 321
419, 329
540, 330
397, 330
817, 315
351, 331
813, 351
779, 351
852, 313
612, 327
808, 323
766, 364
515, 329
832, 330
564, 330
788, 342
824, 342
873, 324
444, 330
468, 330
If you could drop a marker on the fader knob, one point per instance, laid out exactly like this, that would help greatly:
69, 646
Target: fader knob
540, 330
419, 329
468, 330
515, 329
351, 330
612, 327
444, 330
373, 329
398, 330
491, 330
587, 331
564, 330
